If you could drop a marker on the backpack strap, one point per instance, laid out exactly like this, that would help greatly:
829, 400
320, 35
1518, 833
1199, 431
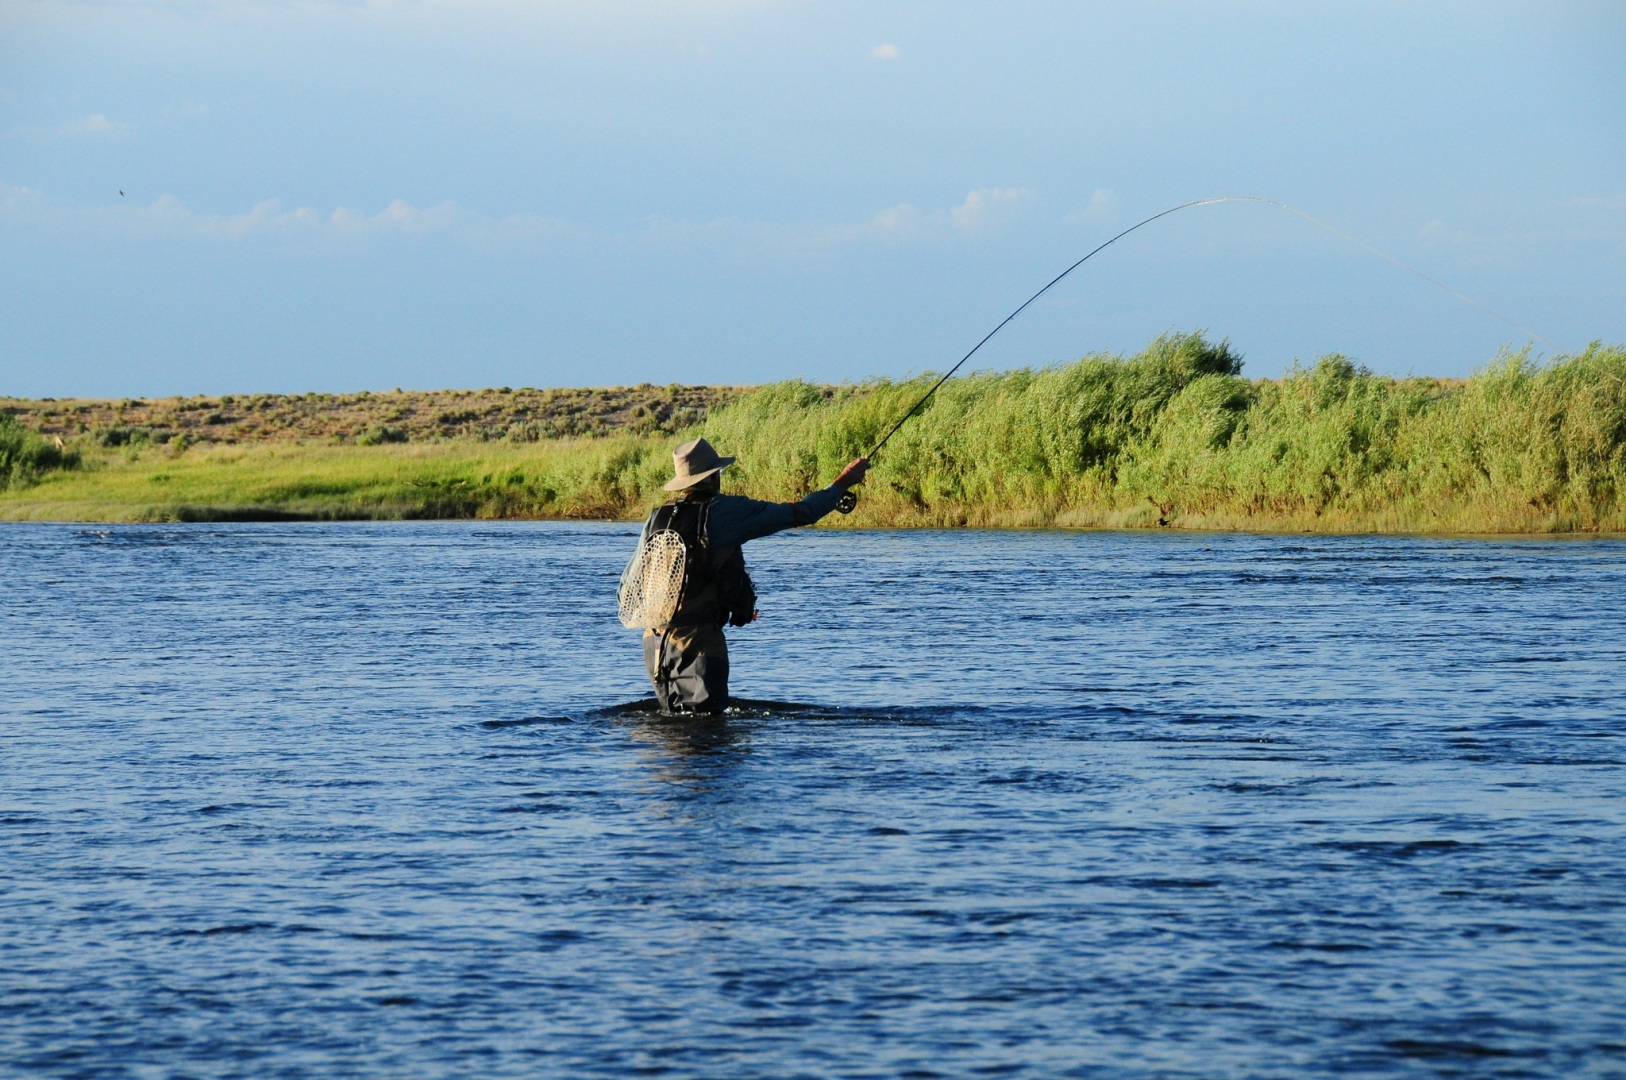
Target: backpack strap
661, 518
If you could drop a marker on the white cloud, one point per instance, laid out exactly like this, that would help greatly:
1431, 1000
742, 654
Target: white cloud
1613, 202
167, 217
402, 217
94, 126
1103, 206
983, 206
904, 223
884, 52
307, 228
898, 218
19, 203
187, 109
267, 216
599, 11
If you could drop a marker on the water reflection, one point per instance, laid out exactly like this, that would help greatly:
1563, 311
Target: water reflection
689, 736
689, 757
698, 751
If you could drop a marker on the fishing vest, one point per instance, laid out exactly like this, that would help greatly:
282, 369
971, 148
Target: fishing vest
716, 589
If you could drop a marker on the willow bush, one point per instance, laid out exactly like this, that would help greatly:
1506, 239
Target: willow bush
25, 456
1174, 435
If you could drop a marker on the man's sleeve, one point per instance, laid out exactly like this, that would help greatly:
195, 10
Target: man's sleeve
736, 519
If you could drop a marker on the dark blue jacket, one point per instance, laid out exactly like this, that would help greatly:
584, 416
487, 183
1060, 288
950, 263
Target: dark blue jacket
734, 519
731, 520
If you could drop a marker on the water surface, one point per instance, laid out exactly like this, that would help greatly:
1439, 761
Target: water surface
339, 800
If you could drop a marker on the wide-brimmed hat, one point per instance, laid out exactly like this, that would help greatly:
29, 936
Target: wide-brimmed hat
693, 462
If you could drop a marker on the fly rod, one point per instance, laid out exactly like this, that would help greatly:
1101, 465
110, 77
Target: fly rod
849, 501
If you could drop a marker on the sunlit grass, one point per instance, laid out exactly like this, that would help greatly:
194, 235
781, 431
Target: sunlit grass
1169, 437
585, 479
1174, 436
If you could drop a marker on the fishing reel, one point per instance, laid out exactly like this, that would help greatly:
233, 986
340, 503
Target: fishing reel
849, 501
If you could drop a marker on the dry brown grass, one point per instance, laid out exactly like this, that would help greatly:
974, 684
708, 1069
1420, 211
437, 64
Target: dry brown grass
522, 415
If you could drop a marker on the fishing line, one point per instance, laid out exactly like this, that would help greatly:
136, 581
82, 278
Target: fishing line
850, 500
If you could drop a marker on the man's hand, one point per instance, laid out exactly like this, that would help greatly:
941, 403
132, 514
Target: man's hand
853, 474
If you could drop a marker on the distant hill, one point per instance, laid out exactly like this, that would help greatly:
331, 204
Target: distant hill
523, 415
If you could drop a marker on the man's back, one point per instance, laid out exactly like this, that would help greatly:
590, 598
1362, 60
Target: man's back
688, 660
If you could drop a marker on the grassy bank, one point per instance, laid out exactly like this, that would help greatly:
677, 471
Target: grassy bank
573, 478
1169, 437
1174, 437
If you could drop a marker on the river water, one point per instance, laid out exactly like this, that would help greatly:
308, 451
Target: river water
344, 801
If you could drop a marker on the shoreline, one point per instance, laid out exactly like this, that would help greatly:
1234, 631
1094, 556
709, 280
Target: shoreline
257, 516
1171, 438
618, 478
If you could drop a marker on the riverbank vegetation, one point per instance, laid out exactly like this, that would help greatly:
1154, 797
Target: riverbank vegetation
26, 455
1170, 437
1174, 436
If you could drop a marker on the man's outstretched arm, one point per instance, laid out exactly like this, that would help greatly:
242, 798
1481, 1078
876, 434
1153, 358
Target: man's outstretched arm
735, 519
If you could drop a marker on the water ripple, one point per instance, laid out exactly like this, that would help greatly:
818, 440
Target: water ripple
379, 800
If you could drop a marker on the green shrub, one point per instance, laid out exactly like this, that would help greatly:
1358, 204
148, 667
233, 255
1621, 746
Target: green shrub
24, 455
1517, 446
379, 434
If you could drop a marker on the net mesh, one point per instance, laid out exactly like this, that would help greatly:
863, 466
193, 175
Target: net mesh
652, 583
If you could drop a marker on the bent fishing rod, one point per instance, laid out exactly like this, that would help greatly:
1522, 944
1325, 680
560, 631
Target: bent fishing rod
849, 500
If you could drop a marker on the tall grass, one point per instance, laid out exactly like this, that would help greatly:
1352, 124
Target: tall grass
1171, 436
1175, 436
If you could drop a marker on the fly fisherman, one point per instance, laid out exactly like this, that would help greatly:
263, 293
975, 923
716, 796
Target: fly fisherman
687, 658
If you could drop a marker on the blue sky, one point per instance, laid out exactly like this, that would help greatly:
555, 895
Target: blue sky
335, 196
